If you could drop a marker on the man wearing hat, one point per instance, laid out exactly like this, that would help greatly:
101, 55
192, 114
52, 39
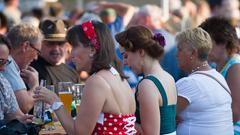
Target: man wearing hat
51, 63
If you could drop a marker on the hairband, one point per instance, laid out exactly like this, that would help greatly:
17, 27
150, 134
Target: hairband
90, 32
160, 39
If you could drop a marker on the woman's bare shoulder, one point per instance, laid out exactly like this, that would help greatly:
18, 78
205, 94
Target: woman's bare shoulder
97, 81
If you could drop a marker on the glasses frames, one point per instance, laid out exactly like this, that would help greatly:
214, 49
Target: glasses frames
4, 62
37, 50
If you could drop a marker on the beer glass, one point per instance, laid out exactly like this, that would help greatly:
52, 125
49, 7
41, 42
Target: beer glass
50, 125
65, 94
77, 93
39, 108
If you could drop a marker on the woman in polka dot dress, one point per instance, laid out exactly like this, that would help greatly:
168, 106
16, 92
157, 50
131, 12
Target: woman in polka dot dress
107, 105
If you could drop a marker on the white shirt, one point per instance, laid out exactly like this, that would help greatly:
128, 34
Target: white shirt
209, 111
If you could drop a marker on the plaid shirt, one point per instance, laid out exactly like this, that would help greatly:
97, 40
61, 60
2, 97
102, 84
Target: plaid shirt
8, 102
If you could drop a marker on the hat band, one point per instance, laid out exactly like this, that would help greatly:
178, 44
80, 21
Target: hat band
55, 35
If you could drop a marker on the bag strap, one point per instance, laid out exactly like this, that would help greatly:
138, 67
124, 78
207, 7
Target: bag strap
214, 78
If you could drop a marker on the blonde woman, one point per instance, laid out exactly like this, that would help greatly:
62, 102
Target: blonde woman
204, 100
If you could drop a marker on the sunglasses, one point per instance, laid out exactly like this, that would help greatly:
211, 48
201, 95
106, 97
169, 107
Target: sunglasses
4, 62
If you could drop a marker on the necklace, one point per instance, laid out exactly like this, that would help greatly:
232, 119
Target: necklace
198, 67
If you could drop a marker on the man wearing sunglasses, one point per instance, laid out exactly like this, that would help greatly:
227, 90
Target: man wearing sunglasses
26, 45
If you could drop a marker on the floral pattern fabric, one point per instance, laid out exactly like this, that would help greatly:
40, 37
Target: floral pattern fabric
8, 103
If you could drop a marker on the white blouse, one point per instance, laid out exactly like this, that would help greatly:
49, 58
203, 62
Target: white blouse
209, 111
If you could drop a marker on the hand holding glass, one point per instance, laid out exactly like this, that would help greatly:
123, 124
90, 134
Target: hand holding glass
50, 126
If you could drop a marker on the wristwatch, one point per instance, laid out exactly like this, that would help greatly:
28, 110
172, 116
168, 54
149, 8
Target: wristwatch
56, 105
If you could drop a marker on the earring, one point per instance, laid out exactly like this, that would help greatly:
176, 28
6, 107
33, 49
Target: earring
90, 55
191, 58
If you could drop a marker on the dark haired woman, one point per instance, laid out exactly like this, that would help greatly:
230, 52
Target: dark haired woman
107, 105
225, 54
156, 93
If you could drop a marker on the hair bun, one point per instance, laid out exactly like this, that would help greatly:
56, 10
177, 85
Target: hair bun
160, 39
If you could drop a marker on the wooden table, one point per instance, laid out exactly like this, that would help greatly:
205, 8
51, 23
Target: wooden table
57, 131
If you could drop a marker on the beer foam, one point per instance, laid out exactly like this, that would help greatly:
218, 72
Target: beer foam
65, 92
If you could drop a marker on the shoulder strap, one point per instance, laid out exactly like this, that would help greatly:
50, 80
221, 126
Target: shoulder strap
137, 86
214, 78
235, 59
160, 88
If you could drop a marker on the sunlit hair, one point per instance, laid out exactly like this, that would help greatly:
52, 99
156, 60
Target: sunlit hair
196, 38
153, 11
24, 32
105, 57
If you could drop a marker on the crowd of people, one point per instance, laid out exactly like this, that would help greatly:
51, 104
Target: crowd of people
144, 74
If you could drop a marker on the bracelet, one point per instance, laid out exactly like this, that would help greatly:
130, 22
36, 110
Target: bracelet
56, 105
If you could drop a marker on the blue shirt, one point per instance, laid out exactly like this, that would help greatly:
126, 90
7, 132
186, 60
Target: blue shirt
235, 59
12, 74
116, 26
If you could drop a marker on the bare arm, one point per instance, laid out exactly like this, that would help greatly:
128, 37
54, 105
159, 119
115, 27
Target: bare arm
148, 98
91, 105
25, 100
24, 97
182, 103
233, 78
125, 10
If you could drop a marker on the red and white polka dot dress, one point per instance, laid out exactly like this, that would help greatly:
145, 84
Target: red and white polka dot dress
110, 124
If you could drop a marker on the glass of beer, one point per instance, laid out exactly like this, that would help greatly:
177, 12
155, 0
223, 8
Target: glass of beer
65, 94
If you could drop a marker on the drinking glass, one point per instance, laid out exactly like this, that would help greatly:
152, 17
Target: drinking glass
50, 125
51, 88
39, 108
65, 94
77, 94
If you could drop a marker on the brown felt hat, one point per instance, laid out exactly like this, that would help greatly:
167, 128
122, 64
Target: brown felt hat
53, 30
